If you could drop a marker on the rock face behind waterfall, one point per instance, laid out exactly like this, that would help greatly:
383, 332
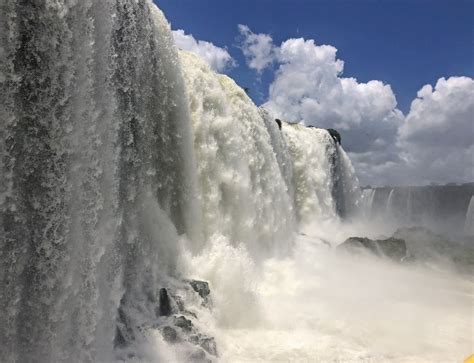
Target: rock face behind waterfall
95, 174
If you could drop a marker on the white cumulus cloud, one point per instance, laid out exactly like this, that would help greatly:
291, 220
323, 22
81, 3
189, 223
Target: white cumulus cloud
433, 143
218, 58
258, 49
437, 137
309, 88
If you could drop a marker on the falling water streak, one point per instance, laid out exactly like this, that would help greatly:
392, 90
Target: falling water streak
389, 205
346, 191
91, 193
312, 151
469, 220
409, 211
367, 203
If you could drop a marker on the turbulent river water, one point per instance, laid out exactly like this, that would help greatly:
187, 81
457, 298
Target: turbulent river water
128, 166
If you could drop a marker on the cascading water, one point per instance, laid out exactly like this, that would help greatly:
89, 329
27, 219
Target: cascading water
242, 183
367, 201
469, 219
126, 166
311, 151
389, 206
281, 150
346, 192
96, 173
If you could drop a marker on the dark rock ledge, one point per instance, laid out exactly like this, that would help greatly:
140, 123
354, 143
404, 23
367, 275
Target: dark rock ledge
392, 248
173, 320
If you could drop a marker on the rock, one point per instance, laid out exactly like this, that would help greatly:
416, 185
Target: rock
202, 288
335, 135
205, 342
123, 333
278, 121
199, 356
393, 248
183, 323
175, 324
165, 305
209, 345
169, 334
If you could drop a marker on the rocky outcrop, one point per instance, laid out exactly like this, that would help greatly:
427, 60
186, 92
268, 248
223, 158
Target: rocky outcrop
164, 308
392, 248
202, 288
174, 320
278, 121
335, 135
170, 334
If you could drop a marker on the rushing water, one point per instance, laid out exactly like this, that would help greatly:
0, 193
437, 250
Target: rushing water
97, 172
469, 220
127, 165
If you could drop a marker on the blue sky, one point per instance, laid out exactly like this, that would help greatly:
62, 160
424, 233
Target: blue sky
405, 43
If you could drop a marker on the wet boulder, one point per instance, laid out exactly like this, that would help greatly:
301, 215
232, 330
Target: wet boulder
392, 248
335, 135
183, 323
164, 308
169, 334
278, 121
199, 356
205, 342
178, 325
202, 288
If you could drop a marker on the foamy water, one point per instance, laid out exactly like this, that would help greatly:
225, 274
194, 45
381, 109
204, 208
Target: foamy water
321, 306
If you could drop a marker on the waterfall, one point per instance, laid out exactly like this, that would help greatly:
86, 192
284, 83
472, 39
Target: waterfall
389, 205
367, 201
116, 154
323, 177
242, 187
96, 175
469, 219
346, 190
409, 206
311, 150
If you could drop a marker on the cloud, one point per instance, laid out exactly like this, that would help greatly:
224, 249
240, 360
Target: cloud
437, 137
218, 58
309, 87
258, 49
434, 142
